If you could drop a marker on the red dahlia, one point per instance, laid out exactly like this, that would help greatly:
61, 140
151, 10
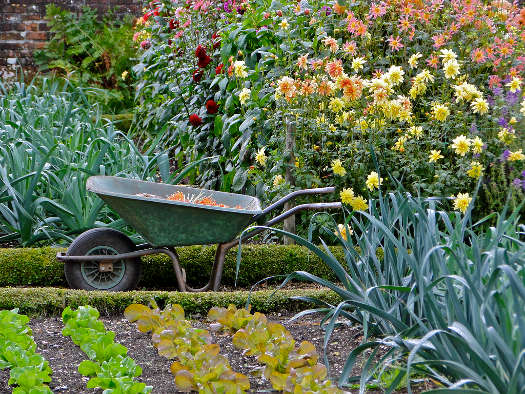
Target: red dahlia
147, 15
195, 120
200, 52
197, 75
219, 69
216, 38
204, 61
212, 107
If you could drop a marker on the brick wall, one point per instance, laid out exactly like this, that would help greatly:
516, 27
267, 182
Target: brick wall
23, 28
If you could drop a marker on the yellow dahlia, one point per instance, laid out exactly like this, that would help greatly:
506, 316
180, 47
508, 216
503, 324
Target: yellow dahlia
477, 144
451, 69
462, 201
342, 230
358, 63
461, 145
514, 85
347, 196
278, 180
435, 155
359, 204
337, 168
440, 112
516, 156
260, 157
475, 171
373, 181
480, 106
414, 59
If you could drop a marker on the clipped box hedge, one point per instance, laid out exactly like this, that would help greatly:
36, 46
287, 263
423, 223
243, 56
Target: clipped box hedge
51, 301
39, 267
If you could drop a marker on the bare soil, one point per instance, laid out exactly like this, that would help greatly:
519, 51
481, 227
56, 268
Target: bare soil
64, 356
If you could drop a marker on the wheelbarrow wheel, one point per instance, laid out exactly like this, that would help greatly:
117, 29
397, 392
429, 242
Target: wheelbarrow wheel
92, 275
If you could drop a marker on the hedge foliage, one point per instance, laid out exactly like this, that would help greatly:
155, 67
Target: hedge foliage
39, 267
50, 301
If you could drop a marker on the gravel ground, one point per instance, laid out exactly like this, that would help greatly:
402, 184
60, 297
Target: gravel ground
64, 356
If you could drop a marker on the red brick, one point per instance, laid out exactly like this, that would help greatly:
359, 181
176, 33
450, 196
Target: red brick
11, 9
12, 35
42, 26
31, 27
33, 17
10, 45
18, 16
35, 44
34, 35
13, 18
8, 26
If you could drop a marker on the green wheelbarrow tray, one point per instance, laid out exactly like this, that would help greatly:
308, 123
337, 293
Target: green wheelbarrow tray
162, 222
165, 224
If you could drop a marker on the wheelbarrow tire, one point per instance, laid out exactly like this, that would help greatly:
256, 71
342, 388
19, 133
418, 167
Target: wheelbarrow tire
84, 275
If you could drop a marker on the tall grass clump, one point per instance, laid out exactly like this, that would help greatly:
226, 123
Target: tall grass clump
437, 296
51, 141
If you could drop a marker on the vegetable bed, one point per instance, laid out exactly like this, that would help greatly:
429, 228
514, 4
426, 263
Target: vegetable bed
64, 356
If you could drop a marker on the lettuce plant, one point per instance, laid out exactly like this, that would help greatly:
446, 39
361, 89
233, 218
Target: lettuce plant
108, 366
289, 368
29, 371
198, 365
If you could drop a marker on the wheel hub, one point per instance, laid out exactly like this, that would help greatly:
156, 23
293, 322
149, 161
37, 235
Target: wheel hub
105, 266
103, 275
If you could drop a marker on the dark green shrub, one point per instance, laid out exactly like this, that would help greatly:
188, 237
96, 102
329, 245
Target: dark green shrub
38, 266
51, 301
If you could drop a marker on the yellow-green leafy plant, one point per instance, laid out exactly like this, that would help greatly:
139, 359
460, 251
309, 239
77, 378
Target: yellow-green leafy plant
198, 366
290, 368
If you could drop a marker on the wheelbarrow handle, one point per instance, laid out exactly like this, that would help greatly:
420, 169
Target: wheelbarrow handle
314, 206
302, 207
282, 201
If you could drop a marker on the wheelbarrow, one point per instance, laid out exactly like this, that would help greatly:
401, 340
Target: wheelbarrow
106, 259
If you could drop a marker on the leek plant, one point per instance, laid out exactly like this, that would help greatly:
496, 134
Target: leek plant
436, 296
51, 141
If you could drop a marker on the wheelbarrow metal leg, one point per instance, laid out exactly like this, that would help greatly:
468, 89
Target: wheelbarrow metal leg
181, 282
216, 271
218, 266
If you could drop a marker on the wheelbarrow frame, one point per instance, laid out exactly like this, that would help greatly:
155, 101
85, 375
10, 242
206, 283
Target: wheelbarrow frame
222, 248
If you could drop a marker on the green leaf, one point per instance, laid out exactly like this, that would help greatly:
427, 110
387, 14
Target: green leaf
217, 126
88, 368
246, 123
239, 180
